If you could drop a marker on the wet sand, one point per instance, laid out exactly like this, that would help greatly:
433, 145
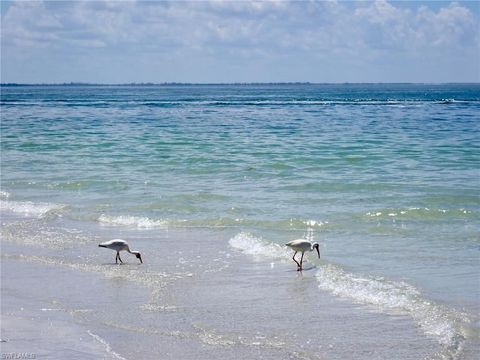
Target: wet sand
203, 300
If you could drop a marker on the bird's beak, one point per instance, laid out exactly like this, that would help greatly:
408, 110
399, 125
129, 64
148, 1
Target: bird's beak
139, 257
318, 252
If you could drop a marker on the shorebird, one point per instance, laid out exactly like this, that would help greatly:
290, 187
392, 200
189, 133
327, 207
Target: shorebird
302, 245
120, 245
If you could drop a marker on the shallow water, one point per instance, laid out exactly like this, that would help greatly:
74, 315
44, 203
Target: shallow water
210, 181
207, 300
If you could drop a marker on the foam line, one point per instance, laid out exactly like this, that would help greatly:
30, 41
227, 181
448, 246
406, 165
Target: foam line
108, 348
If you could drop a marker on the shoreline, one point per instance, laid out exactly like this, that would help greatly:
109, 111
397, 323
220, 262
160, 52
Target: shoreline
39, 325
169, 301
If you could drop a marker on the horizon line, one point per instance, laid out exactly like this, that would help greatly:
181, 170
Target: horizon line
174, 83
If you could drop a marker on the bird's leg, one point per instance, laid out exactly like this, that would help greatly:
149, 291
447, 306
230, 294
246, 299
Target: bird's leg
301, 261
116, 258
293, 258
119, 258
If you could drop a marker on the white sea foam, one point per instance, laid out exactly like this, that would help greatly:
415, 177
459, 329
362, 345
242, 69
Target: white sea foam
132, 221
108, 348
4, 194
37, 233
395, 297
314, 223
437, 321
28, 208
157, 282
418, 213
251, 245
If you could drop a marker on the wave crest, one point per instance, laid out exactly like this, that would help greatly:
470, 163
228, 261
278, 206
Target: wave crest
437, 321
147, 223
132, 221
444, 324
4, 194
417, 213
28, 208
251, 245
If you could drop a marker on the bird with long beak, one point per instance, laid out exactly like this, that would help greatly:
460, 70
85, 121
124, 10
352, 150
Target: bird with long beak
303, 246
120, 245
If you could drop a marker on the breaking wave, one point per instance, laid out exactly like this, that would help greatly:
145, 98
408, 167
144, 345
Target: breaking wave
437, 321
417, 213
252, 245
133, 221
393, 297
143, 222
4, 194
31, 209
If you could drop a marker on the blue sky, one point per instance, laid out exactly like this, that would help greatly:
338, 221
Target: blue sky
240, 41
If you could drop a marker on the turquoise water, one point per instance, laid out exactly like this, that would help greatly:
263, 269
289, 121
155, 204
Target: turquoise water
385, 177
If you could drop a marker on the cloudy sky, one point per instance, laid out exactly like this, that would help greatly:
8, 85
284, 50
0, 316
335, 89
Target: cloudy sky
240, 41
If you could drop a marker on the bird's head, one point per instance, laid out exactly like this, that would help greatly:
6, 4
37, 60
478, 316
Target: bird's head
139, 257
316, 247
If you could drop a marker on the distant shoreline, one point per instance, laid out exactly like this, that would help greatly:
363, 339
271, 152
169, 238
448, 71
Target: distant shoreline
226, 84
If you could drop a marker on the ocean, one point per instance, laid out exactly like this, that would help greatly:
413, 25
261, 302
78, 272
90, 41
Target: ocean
209, 182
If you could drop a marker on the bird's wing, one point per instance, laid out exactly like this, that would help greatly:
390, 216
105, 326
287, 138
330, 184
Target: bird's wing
114, 242
297, 242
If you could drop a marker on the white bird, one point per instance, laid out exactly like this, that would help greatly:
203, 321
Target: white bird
302, 245
120, 245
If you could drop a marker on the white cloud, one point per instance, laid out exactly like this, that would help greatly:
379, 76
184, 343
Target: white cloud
451, 27
229, 31
288, 25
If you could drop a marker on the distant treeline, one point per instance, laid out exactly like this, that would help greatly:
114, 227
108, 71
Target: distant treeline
153, 84
224, 84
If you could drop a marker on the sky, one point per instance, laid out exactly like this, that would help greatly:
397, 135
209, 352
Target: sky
239, 41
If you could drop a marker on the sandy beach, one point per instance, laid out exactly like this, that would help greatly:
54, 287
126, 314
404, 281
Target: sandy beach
75, 302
